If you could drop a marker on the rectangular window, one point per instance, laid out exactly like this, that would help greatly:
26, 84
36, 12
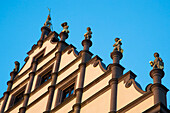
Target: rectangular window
45, 77
67, 92
17, 97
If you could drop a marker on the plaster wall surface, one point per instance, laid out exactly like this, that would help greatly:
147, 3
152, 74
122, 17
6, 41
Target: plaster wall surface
124, 92
26, 66
13, 92
21, 79
40, 92
47, 46
67, 72
16, 109
66, 108
66, 59
149, 102
39, 107
45, 60
100, 104
97, 87
92, 73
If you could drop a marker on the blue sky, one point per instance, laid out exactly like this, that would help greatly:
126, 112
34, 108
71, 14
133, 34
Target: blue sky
143, 26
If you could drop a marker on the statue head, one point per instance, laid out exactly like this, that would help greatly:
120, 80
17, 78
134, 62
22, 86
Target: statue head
64, 24
116, 39
156, 54
88, 29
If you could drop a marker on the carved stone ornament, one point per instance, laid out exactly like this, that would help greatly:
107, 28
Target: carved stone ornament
69, 51
128, 83
117, 45
96, 63
17, 64
157, 63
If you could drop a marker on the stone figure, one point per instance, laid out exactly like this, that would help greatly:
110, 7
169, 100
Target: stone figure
17, 64
88, 34
117, 45
157, 63
65, 27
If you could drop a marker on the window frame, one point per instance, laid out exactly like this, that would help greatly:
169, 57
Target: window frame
42, 74
48, 74
69, 90
13, 97
59, 98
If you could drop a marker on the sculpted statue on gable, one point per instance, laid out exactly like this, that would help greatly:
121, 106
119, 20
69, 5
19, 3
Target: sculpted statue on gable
117, 45
157, 63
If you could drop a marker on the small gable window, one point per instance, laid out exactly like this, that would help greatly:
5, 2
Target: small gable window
68, 92
17, 97
45, 77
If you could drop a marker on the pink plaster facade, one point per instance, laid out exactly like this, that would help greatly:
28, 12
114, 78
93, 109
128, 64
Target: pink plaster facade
96, 94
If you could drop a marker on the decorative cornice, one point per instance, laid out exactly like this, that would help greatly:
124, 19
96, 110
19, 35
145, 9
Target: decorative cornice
115, 53
160, 86
157, 71
86, 41
157, 108
135, 102
85, 51
45, 28
109, 67
9, 82
113, 81
6, 92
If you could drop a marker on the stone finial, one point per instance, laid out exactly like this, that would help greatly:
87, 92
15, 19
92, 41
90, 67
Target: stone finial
48, 21
117, 45
17, 64
88, 34
65, 27
157, 63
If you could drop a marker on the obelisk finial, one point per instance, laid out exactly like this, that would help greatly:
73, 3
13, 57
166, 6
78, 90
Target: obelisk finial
88, 34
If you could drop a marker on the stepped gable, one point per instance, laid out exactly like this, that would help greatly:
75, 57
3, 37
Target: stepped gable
59, 79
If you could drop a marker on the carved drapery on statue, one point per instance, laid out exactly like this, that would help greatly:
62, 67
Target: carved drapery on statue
157, 63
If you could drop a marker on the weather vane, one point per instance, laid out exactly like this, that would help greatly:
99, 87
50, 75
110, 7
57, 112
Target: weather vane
49, 10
